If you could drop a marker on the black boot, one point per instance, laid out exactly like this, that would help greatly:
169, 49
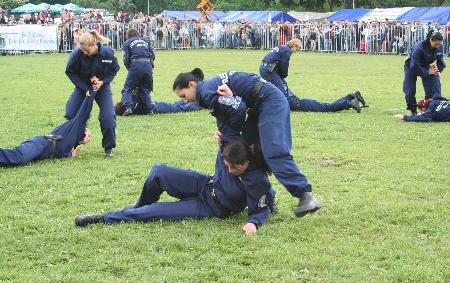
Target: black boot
355, 105
84, 220
360, 98
307, 204
109, 152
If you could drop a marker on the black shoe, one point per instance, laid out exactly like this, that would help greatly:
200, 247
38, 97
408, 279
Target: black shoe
307, 204
128, 111
84, 220
360, 98
355, 105
109, 152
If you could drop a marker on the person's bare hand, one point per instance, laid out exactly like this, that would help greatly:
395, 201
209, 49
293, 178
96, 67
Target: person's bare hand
400, 116
224, 90
433, 70
75, 152
249, 229
218, 137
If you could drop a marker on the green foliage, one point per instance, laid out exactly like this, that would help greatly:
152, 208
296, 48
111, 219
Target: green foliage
384, 184
10, 4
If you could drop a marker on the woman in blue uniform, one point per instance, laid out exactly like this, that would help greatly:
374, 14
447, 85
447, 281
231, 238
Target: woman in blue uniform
238, 182
274, 68
432, 110
94, 65
350, 101
232, 94
419, 64
159, 107
138, 58
62, 141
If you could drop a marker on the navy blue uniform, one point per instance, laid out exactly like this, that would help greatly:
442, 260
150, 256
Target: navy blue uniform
418, 64
140, 107
311, 105
272, 113
138, 58
39, 147
80, 69
438, 111
274, 68
200, 195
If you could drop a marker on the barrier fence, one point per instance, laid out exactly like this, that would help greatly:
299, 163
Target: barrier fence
349, 37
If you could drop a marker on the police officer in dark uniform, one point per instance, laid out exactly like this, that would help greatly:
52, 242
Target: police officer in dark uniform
138, 58
225, 193
275, 68
419, 63
232, 94
433, 110
62, 141
159, 107
350, 101
94, 65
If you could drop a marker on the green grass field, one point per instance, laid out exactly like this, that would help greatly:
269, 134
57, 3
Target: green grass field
384, 184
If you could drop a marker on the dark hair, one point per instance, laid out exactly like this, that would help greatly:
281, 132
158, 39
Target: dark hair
132, 32
238, 152
183, 79
424, 103
434, 35
119, 109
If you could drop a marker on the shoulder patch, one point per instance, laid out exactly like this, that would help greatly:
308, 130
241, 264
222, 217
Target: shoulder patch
233, 101
262, 201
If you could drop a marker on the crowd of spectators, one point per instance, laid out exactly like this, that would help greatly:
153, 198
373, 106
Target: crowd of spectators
376, 37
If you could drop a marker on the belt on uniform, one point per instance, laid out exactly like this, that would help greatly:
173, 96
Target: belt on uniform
210, 187
142, 59
53, 139
256, 93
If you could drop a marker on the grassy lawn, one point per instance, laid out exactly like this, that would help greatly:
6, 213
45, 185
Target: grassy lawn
384, 184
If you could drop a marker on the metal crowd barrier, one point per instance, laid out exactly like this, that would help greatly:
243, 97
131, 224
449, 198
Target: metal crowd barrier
347, 37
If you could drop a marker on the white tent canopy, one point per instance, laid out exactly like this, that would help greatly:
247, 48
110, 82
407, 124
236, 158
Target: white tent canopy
379, 14
310, 16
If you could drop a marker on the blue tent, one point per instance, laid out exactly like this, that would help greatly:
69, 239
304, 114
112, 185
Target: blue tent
27, 8
191, 15
437, 14
235, 16
427, 14
349, 14
258, 16
413, 14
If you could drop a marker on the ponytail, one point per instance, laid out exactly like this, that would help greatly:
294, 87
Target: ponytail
183, 79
